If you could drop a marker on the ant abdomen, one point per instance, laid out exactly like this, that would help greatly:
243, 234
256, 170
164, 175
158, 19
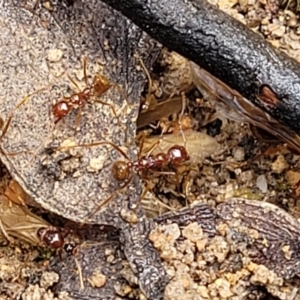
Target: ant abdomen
61, 109
177, 155
51, 237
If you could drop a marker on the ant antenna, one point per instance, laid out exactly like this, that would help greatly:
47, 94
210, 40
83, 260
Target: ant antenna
22, 102
150, 82
126, 182
183, 107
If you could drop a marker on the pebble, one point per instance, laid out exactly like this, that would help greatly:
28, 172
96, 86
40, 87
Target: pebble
239, 154
97, 279
96, 164
223, 287
276, 30
193, 232
48, 279
55, 55
246, 176
279, 165
261, 183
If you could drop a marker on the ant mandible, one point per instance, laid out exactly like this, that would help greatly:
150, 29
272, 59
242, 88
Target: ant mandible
97, 88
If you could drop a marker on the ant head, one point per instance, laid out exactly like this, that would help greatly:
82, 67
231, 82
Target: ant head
120, 170
101, 84
70, 248
177, 155
51, 237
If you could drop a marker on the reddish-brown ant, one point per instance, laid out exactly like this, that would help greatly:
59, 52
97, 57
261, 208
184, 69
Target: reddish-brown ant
63, 107
176, 155
99, 87
51, 237
122, 171
54, 238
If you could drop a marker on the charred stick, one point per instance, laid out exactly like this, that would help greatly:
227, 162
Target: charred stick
224, 47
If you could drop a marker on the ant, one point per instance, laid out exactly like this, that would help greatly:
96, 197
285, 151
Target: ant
123, 171
175, 156
97, 88
53, 238
63, 107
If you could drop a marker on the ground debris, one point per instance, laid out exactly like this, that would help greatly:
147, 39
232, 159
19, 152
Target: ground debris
58, 64
219, 257
102, 266
247, 239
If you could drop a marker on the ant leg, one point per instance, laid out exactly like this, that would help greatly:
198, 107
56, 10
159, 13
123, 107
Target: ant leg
23, 101
100, 86
151, 149
74, 82
121, 91
84, 70
156, 199
80, 273
84, 76
165, 173
141, 146
96, 144
50, 136
148, 149
108, 199
150, 82
78, 119
112, 109
38, 149
181, 116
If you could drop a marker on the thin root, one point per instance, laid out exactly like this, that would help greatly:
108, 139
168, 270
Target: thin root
79, 273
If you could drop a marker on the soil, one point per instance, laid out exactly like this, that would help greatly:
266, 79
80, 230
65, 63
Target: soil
203, 259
